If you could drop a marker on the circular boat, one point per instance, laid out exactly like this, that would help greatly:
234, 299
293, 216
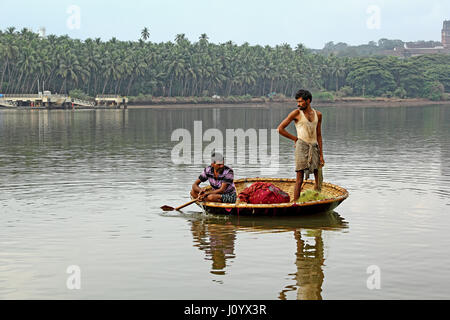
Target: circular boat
336, 196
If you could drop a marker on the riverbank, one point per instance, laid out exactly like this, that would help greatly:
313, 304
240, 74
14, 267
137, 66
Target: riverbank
173, 103
382, 102
265, 103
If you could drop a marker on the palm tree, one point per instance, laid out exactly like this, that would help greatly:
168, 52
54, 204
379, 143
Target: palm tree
112, 68
27, 67
175, 70
136, 67
43, 66
337, 70
179, 38
10, 30
92, 58
8, 53
70, 68
145, 34
203, 38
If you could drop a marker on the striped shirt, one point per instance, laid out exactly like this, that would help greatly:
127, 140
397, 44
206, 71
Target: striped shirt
226, 176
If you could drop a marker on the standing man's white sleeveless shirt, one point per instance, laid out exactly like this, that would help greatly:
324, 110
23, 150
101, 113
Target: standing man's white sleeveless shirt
307, 130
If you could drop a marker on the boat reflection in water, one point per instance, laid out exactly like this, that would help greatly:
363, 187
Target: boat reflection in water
216, 236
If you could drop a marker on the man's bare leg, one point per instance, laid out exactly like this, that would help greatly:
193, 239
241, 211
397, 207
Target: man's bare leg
316, 180
213, 198
298, 185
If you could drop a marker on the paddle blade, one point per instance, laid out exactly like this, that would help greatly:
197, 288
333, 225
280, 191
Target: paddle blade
167, 208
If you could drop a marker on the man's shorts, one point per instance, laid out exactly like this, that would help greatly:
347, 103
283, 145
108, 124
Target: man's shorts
229, 197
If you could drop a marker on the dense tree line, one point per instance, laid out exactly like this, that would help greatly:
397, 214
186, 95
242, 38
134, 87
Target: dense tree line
202, 68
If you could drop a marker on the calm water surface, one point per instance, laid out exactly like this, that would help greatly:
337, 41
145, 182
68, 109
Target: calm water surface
84, 188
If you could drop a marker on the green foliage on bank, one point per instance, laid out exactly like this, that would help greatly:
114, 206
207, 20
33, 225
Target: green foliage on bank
323, 96
149, 100
79, 94
201, 69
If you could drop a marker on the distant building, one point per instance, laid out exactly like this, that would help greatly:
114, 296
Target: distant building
446, 34
41, 32
418, 48
423, 45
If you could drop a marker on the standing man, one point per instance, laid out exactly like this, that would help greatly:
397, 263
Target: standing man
308, 142
221, 179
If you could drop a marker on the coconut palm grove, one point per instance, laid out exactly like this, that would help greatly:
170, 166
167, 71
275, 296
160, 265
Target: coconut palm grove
182, 68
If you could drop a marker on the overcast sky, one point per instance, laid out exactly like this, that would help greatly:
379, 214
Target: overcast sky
273, 22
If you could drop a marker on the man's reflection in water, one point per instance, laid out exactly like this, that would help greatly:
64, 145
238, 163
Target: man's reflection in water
309, 262
216, 240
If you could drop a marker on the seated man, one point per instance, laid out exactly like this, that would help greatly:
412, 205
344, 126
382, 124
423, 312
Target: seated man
220, 178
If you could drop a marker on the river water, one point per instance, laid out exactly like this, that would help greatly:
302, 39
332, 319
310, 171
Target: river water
84, 189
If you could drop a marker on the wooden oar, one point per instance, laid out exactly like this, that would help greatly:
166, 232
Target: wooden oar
169, 208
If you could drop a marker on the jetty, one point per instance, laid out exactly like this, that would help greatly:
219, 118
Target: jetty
111, 100
48, 100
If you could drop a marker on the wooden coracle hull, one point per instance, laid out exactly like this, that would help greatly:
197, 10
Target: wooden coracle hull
337, 195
